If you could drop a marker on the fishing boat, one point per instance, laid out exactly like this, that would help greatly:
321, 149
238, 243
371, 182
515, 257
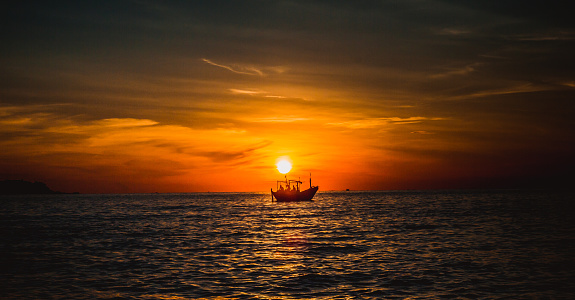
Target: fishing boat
289, 191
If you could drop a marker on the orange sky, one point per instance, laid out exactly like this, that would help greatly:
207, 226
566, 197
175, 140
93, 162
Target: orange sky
172, 97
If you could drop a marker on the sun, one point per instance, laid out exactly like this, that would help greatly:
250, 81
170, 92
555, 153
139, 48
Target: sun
283, 166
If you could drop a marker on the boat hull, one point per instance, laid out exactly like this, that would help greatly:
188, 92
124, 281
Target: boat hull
295, 196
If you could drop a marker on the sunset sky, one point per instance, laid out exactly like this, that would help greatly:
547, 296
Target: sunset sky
191, 96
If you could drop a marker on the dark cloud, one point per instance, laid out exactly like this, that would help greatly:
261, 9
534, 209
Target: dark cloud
548, 13
238, 156
500, 75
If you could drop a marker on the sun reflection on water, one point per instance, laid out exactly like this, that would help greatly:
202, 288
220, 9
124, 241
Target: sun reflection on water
365, 245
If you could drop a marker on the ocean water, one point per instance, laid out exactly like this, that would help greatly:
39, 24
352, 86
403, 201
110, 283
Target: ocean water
344, 245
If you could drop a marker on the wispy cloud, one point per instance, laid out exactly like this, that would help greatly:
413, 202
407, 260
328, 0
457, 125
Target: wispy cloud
456, 72
246, 92
286, 119
549, 36
453, 31
238, 69
254, 92
125, 122
369, 123
520, 88
235, 155
422, 132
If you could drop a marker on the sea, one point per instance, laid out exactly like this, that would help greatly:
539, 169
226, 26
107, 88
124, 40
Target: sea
466, 244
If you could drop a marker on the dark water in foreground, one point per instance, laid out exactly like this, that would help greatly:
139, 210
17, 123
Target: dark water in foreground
487, 244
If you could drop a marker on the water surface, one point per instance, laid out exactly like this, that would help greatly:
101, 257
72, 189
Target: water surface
393, 245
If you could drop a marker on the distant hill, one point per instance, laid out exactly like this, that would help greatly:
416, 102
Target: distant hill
21, 187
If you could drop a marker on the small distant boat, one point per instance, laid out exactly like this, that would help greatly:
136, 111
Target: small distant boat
289, 191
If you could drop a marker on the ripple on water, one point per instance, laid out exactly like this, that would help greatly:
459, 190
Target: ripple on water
497, 244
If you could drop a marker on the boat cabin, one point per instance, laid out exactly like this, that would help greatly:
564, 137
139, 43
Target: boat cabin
288, 185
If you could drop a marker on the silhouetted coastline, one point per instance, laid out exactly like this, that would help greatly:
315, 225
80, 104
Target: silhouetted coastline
21, 187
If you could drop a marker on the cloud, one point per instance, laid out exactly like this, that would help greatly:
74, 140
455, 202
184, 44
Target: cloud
235, 155
453, 31
365, 67
246, 92
125, 122
286, 119
378, 122
265, 94
456, 72
515, 89
245, 70
548, 36
39, 134
248, 69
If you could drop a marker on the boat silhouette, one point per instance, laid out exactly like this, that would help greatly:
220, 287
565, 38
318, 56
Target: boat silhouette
289, 191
